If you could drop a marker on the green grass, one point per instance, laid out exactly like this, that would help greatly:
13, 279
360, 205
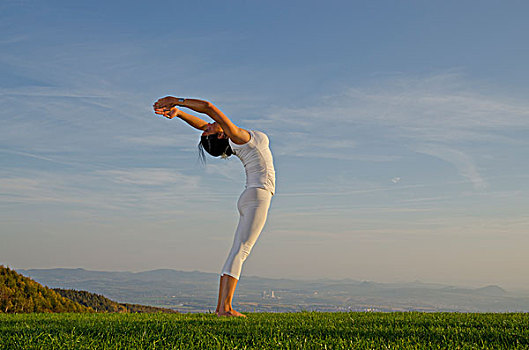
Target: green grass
305, 330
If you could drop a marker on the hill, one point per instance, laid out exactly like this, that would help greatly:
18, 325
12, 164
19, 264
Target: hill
20, 294
102, 304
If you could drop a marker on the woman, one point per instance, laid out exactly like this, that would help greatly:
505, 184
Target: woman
223, 138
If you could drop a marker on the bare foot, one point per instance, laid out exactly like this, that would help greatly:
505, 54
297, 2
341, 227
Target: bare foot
231, 313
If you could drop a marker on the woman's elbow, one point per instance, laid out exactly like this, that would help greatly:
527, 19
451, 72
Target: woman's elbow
208, 106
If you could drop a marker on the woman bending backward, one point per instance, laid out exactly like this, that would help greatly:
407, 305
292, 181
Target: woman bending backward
223, 138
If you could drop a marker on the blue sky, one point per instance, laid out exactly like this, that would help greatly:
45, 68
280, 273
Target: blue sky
399, 131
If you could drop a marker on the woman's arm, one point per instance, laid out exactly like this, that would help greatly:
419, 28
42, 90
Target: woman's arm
190, 119
236, 134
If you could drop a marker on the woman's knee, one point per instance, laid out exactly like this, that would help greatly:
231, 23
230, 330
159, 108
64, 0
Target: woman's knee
244, 250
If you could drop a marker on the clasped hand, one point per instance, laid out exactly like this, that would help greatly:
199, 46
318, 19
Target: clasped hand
166, 107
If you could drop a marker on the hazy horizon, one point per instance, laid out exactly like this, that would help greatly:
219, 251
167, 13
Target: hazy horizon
523, 289
399, 133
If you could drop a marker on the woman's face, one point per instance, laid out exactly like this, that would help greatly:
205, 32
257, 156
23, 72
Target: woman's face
214, 128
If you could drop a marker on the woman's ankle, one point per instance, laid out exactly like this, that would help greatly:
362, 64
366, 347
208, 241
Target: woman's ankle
225, 308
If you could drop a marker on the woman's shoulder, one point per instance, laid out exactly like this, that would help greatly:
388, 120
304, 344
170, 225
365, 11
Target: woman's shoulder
258, 139
259, 136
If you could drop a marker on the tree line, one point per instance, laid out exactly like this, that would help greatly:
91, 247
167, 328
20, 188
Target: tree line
20, 294
101, 303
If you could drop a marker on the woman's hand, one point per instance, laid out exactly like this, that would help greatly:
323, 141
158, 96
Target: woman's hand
169, 113
166, 102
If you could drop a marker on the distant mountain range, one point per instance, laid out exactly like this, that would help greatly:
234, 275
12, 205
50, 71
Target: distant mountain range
197, 292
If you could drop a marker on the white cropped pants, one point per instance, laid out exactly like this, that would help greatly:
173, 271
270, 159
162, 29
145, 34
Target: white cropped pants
253, 207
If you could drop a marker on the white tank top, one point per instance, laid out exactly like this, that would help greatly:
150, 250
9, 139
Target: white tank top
257, 159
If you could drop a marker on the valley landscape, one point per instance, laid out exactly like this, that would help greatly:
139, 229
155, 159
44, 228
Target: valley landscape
196, 292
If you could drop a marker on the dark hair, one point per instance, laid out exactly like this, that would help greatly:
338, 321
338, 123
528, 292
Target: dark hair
214, 146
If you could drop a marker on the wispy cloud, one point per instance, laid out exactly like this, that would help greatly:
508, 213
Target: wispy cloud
155, 140
150, 177
150, 191
464, 164
437, 115
33, 155
14, 39
419, 108
229, 169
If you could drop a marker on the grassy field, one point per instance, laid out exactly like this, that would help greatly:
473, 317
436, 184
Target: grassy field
265, 331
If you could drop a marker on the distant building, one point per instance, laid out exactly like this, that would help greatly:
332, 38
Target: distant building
269, 294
